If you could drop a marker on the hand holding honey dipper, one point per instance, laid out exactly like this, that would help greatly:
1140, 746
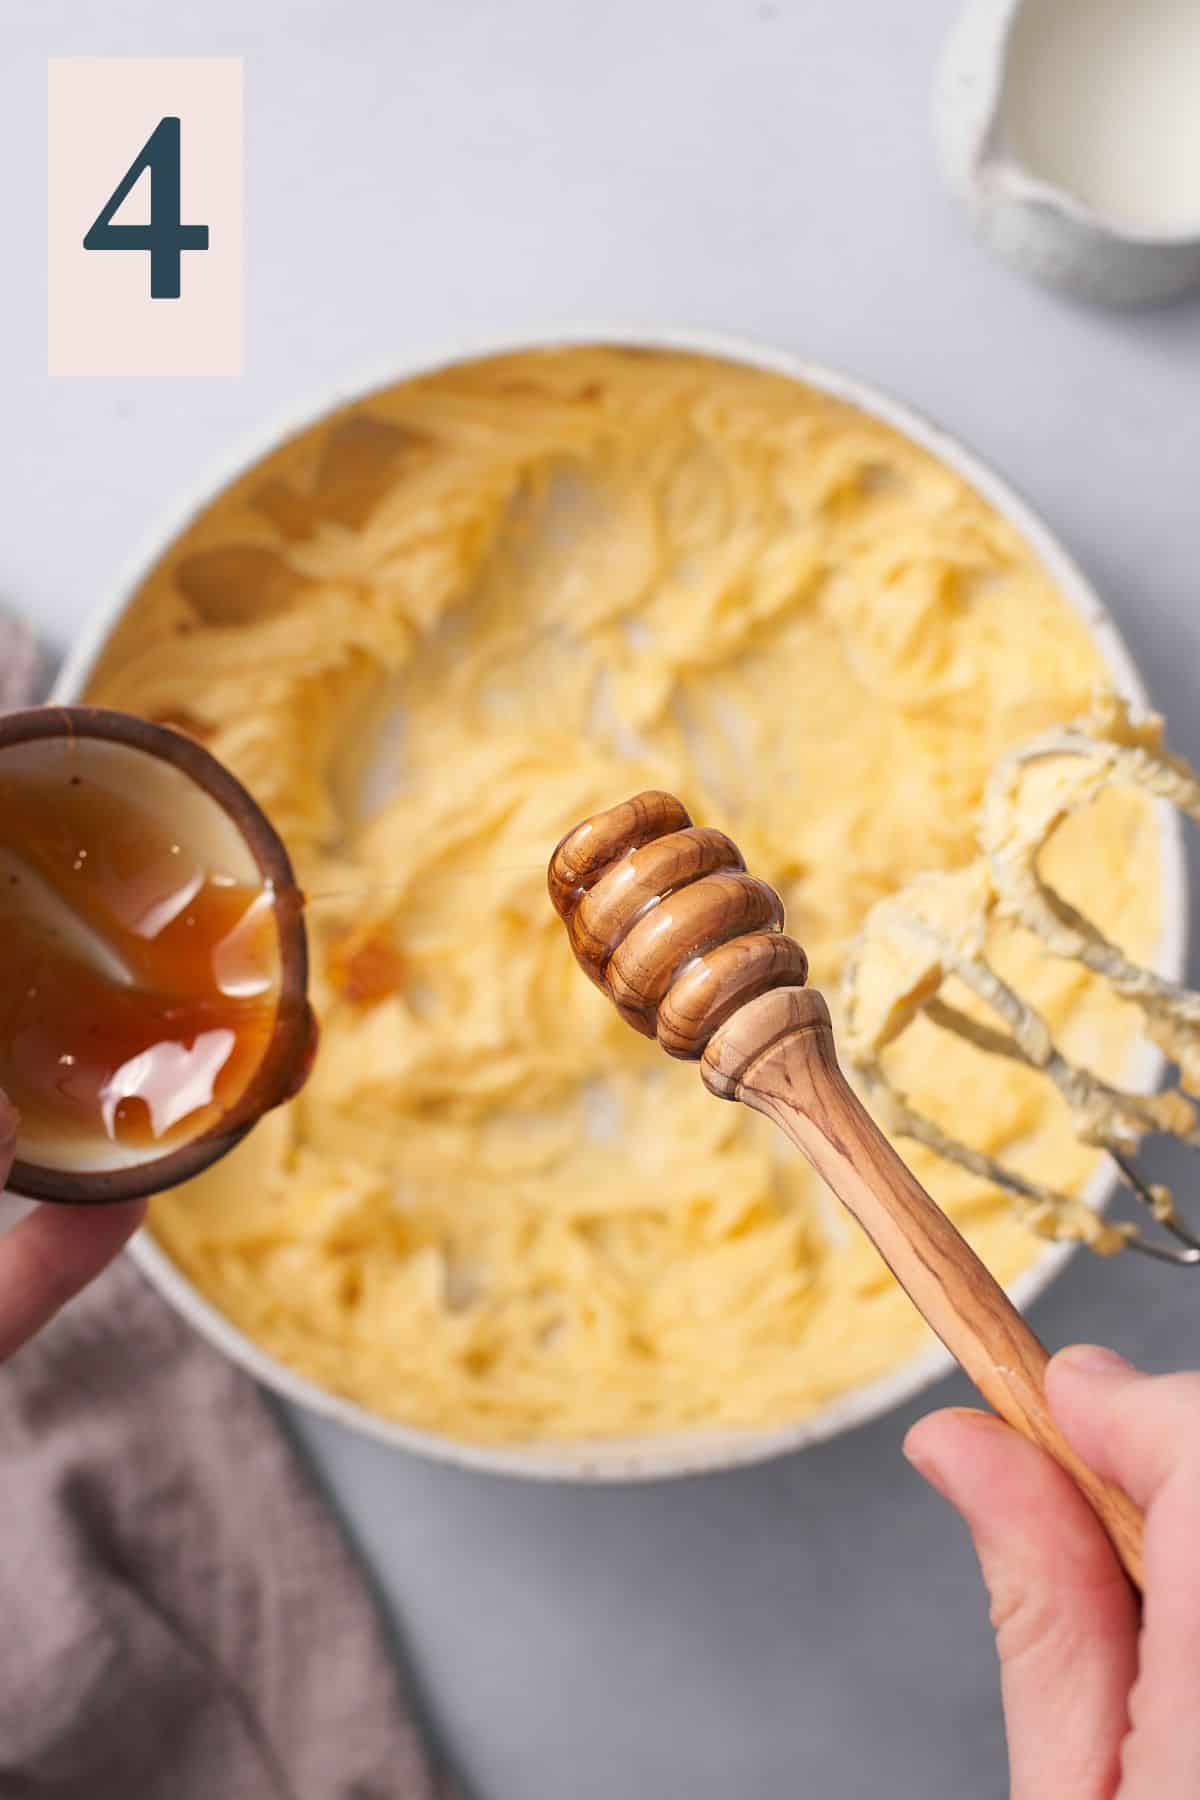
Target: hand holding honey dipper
1097, 1691
1091, 1473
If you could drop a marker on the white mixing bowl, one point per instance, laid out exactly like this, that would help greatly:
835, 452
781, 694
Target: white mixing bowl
684, 1453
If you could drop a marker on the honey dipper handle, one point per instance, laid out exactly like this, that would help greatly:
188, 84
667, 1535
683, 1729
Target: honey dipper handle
777, 1055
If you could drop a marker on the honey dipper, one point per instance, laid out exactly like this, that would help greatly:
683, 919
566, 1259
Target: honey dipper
664, 918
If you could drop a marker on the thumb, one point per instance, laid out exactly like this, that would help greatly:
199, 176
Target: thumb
1065, 1618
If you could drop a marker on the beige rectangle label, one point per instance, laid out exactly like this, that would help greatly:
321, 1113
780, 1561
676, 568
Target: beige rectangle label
160, 292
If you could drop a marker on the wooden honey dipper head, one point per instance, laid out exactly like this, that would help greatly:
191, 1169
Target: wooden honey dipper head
665, 919
662, 915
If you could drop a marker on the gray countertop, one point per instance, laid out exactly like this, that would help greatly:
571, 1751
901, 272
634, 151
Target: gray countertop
813, 1626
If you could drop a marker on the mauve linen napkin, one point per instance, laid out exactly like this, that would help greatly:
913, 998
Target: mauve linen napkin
179, 1617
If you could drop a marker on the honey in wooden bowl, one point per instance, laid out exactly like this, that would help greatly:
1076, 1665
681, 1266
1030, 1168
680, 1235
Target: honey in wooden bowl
152, 956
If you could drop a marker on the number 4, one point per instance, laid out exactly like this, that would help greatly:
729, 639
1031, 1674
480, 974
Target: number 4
164, 237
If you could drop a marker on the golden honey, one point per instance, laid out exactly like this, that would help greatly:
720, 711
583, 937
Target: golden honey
138, 986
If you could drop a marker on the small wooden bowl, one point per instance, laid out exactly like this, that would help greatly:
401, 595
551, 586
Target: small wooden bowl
212, 811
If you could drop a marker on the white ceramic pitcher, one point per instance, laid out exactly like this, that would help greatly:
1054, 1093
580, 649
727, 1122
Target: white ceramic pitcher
1037, 226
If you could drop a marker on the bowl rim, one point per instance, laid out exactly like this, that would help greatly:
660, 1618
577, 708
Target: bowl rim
703, 1449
